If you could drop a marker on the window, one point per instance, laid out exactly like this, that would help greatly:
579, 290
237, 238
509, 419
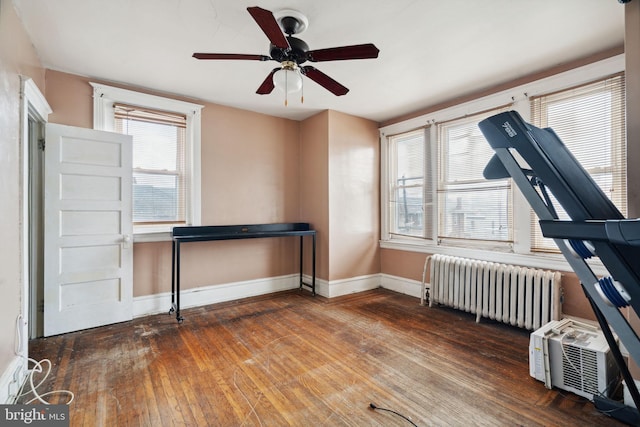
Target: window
590, 120
410, 203
434, 197
159, 175
470, 207
166, 153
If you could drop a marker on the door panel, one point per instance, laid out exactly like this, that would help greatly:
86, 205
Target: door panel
88, 228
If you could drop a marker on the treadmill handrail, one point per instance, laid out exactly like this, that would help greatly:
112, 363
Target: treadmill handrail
618, 231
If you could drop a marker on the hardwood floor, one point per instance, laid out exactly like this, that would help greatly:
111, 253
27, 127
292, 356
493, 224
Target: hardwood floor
293, 359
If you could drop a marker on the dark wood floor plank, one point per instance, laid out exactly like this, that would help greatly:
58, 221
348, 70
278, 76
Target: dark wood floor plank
292, 359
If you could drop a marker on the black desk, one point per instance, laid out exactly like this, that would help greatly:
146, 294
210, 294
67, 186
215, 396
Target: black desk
230, 232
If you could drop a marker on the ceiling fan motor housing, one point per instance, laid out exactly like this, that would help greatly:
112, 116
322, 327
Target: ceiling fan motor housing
297, 53
290, 25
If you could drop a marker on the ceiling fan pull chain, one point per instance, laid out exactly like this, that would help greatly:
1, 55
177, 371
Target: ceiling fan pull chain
286, 88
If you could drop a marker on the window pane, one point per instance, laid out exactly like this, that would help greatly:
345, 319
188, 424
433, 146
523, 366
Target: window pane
476, 213
467, 152
410, 153
155, 197
584, 124
409, 211
155, 146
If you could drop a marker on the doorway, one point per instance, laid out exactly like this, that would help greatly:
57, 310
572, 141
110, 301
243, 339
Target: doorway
36, 227
34, 115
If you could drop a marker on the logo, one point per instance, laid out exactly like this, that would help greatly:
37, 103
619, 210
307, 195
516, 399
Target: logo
509, 129
34, 415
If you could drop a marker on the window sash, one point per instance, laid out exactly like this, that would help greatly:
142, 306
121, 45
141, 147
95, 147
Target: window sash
410, 205
470, 208
590, 120
159, 169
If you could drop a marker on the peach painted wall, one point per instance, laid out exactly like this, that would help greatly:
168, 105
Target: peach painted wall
402, 263
249, 175
314, 184
70, 98
354, 202
339, 178
17, 58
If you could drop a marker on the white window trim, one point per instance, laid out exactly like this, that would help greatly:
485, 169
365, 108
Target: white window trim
103, 119
519, 96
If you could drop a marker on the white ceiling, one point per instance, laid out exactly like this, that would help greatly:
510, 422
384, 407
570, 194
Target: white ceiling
430, 50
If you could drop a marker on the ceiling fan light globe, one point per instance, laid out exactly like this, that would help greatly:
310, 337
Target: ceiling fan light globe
288, 81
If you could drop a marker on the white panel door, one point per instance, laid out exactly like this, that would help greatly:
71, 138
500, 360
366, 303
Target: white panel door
88, 242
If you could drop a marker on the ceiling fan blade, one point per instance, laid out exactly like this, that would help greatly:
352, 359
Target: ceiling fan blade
267, 85
358, 51
199, 55
325, 81
265, 20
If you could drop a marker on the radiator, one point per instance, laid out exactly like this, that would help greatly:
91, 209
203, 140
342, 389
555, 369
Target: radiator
519, 296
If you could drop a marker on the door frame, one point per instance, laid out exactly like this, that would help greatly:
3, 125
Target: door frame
36, 108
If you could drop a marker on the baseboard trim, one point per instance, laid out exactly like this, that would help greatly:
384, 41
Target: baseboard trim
352, 285
205, 295
401, 285
12, 379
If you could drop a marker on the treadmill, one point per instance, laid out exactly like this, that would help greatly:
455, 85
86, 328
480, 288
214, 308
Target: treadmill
596, 227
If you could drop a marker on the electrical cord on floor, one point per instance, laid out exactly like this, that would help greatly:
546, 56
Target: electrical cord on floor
377, 408
38, 368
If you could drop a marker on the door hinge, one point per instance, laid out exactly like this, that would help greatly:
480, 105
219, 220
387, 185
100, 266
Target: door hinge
41, 306
41, 144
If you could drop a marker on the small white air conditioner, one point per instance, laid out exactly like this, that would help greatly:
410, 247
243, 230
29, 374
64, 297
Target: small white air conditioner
573, 356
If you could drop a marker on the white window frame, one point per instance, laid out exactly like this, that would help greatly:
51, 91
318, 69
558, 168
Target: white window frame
499, 245
103, 119
519, 96
427, 179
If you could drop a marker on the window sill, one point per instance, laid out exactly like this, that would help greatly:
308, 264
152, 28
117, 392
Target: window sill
145, 236
555, 262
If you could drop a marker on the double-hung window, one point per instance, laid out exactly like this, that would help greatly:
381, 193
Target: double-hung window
471, 209
590, 120
159, 173
166, 155
410, 198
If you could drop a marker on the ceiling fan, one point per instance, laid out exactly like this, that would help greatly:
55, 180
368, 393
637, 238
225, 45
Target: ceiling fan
291, 52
